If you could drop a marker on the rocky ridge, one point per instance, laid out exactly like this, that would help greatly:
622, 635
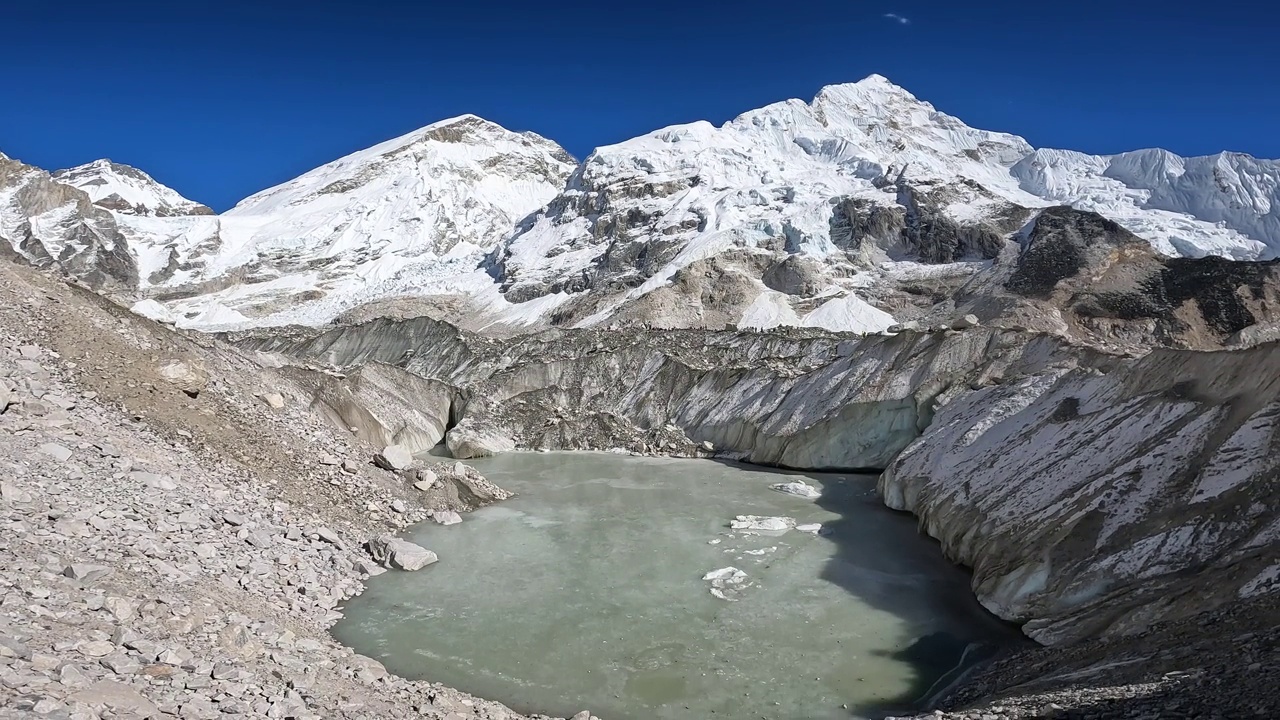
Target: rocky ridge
50, 224
128, 191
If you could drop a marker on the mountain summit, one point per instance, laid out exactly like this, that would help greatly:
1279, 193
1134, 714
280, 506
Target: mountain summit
818, 213
128, 190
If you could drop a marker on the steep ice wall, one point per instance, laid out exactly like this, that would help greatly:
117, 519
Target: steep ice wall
1084, 500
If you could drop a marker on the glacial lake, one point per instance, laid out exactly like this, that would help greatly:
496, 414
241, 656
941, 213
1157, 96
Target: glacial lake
589, 591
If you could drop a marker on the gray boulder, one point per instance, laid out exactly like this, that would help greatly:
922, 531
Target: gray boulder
394, 457
908, 326
85, 572
397, 554
446, 517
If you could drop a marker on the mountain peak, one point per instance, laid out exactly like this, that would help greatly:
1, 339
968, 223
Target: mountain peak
871, 91
127, 190
877, 80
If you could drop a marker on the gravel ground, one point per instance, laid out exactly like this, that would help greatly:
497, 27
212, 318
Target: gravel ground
174, 545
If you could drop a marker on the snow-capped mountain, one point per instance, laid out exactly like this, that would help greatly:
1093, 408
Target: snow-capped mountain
426, 204
128, 191
851, 211
46, 223
862, 162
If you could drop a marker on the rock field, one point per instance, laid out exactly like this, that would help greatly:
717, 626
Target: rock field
145, 572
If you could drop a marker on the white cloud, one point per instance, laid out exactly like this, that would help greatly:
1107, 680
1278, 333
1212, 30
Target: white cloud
898, 18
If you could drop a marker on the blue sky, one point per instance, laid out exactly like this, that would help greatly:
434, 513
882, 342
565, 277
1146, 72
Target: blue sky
220, 99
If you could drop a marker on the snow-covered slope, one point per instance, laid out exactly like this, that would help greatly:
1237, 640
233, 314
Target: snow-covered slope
128, 191
380, 221
1226, 204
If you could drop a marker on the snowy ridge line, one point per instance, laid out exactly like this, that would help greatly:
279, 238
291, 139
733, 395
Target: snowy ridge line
506, 230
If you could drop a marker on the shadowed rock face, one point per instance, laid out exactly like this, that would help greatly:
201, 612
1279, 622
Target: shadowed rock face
1223, 293
1105, 280
918, 227
1063, 244
52, 224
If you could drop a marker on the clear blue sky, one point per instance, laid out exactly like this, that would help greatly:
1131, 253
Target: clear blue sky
222, 98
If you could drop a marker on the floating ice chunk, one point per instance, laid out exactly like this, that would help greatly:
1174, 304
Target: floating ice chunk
757, 522
761, 551
717, 541
798, 488
814, 528
724, 573
727, 583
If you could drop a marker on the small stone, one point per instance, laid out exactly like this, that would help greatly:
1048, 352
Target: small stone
366, 566
329, 460
367, 669
275, 400
44, 663
908, 326
47, 706
29, 352
86, 573
234, 519
121, 664
72, 676
259, 538
174, 656
329, 536
120, 608
350, 466
398, 506
12, 493
96, 648
56, 451
152, 480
